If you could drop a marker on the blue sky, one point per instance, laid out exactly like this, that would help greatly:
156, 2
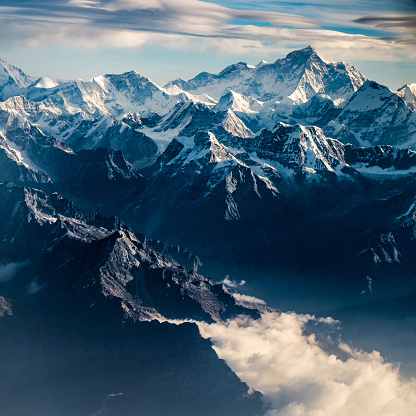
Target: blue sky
166, 39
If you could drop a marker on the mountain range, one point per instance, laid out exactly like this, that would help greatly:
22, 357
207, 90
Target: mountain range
118, 197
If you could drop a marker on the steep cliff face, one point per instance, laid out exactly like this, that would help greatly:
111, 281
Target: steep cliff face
98, 255
78, 291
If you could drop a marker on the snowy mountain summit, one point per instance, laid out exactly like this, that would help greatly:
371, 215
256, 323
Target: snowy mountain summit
294, 79
12, 80
301, 88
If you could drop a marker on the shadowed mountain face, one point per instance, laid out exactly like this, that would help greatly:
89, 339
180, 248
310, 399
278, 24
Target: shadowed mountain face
61, 357
98, 257
76, 289
288, 204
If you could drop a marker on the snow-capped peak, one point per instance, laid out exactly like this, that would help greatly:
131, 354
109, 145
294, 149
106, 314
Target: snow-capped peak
238, 102
45, 82
11, 74
298, 77
370, 96
261, 63
408, 93
12, 80
300, 56
235, 68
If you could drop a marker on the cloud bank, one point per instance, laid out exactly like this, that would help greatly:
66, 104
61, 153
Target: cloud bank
280, 356
195, 25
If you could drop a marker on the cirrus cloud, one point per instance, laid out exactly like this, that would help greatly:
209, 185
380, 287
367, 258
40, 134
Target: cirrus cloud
401, 21
396, 23
190, 24
190, 17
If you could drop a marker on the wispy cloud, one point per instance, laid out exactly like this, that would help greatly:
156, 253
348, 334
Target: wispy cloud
393, 22
130, 23
281, 356
400, 18
269, 27
190, 17
9, 270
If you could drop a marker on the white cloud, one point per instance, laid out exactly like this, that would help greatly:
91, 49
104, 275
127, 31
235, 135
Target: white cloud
84, 3
232, 283
290, 367
244, 299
